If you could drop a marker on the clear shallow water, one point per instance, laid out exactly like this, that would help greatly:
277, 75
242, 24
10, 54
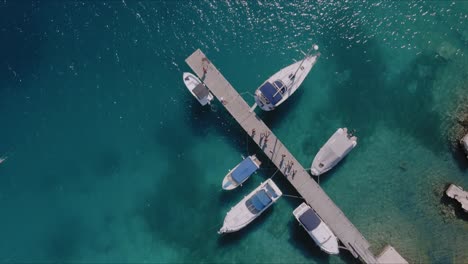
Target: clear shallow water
110, 159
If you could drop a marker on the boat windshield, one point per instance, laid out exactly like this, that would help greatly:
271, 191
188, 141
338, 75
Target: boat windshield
258, 202
309, 220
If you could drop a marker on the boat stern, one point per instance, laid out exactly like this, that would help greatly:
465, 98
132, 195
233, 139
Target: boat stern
300, 210
314, 171
262, 101
317, 167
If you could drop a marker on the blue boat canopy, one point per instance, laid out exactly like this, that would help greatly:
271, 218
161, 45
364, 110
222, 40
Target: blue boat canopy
270, 191
310, 220
271, 93
244, 170
260, 200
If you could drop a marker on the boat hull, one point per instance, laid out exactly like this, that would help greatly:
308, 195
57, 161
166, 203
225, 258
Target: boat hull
322, 235
322, 161
240, 216
229, 183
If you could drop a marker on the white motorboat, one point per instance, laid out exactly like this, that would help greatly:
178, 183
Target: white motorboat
241, 172
281, 85
336, 148
197, 88
464, 143
317, 229
251, 207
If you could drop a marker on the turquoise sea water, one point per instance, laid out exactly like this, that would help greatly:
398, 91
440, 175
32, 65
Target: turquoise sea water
110, 159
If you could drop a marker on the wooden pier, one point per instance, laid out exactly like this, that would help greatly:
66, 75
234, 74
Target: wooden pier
347, 233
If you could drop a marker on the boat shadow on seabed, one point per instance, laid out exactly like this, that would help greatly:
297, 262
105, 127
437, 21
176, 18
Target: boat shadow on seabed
451, 208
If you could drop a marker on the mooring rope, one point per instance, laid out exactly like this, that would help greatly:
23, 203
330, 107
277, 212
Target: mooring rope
274, 174
293, 196
268, 168
248, 94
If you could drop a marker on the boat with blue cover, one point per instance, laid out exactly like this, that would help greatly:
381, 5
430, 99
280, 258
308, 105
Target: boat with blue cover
251, 207
281, 85
241, 172
316, 228
197, 88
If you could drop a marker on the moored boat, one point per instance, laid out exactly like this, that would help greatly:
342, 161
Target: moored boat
317, 229
281, 85
197, 88
249, 208
334, 150
241, 172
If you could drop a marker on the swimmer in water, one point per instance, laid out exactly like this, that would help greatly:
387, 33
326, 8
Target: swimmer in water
2, 159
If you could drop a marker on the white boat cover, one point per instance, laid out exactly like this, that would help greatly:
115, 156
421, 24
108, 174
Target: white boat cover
333, 151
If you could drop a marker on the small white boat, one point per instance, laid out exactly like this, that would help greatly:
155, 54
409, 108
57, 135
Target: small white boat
317, 229
241, 172
197, 88
464, 143
251, 207
336, 148
281, 85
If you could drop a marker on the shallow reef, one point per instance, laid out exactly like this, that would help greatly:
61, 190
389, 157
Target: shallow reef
459, 126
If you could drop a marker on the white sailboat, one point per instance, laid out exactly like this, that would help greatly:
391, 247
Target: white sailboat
241, 172
281, 85
197, 88
334, 150
251, 207
317, 229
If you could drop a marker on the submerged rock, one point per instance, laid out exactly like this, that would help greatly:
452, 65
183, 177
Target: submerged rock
447, 51
460, 125
464, 35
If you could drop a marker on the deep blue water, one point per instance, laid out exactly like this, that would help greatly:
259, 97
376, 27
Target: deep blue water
110, 159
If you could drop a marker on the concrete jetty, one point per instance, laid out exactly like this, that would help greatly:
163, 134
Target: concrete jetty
390, 256
457, 193
279, 155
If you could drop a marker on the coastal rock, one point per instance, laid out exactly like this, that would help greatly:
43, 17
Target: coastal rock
459, 128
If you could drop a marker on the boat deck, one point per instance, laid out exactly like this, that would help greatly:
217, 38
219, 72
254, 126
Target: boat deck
313, 194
